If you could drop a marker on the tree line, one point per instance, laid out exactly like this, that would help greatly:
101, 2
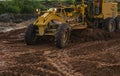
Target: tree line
25, 6
20, 6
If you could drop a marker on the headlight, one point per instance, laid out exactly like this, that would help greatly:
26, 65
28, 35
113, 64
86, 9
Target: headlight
52, 10
55, 9
38, 11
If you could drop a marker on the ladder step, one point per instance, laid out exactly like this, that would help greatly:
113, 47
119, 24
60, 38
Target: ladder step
51, 30
79, 27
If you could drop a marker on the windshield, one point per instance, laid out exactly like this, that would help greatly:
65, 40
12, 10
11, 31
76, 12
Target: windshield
78, 1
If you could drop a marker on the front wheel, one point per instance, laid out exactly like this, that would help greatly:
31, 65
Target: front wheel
30, 35
62, 35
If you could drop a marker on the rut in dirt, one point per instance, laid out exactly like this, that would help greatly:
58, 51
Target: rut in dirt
91, 52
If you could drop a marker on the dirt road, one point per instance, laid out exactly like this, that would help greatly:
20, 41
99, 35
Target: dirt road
91, 53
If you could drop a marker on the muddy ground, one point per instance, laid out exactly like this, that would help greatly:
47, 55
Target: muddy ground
91, 52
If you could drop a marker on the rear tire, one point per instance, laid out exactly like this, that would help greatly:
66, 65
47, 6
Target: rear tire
62, 35
109, 25
117, 20
30, 35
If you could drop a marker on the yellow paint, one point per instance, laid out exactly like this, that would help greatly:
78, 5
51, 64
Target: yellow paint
109, 9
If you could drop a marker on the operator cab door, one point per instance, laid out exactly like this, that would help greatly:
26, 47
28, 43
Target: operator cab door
77, 2
97, 7
94, 8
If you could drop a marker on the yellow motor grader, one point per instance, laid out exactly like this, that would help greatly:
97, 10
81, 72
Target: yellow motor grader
82, 14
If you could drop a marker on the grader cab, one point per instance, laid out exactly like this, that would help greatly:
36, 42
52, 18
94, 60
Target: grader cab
82, 14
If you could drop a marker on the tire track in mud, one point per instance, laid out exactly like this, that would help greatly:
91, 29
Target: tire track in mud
88, 58
62, 65
100, 58
94, 46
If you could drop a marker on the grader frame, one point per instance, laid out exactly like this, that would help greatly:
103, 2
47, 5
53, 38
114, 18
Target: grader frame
59, 22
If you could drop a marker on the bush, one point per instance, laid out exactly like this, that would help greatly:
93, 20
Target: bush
1, 8
70, 2
27, 9
26, 6
19, 6
13, 9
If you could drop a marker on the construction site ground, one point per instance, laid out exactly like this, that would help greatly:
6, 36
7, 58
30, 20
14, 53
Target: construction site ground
91, 52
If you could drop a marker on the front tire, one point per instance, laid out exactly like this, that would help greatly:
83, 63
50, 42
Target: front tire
62, 35
30, 35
